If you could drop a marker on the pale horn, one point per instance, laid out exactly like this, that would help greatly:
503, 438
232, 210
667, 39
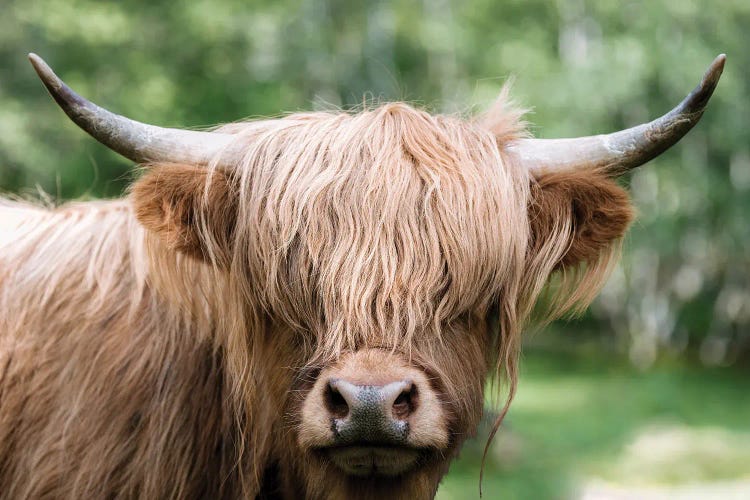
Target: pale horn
618, 152
139, 142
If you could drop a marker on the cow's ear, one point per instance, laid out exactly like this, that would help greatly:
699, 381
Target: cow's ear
585, 213
192, 209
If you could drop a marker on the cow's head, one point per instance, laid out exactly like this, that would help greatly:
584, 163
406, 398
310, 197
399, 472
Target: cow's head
374, 250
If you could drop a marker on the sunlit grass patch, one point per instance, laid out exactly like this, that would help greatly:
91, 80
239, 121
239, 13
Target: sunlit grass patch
580, 421
677, 454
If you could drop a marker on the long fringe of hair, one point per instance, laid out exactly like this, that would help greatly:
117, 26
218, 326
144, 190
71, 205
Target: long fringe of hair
384, 225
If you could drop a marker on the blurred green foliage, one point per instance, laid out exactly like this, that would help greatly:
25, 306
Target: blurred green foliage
583, 67
681, 293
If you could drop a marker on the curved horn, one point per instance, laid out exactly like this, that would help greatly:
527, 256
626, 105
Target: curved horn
136, 141
618, 152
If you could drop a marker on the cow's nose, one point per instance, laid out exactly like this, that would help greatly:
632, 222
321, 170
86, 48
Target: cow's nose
376, 414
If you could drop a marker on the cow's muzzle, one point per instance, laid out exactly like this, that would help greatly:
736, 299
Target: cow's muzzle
370, 427
373, 414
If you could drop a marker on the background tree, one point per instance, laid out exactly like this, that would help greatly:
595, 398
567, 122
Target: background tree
682, 291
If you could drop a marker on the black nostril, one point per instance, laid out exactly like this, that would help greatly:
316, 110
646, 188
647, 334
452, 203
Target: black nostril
335, 402
406, 402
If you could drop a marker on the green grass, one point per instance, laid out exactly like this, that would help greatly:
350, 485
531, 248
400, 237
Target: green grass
578, 418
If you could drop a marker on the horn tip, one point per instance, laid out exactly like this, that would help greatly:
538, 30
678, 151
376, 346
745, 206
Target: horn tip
718, 64
697, 100
711, 78
42, 69
37, 62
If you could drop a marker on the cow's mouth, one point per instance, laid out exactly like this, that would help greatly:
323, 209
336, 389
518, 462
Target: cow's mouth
368, 460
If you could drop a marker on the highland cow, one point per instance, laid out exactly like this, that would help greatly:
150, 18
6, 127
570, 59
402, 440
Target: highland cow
305, 307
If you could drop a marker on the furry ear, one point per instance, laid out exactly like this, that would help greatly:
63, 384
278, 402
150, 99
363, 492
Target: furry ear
588, 209
193, 210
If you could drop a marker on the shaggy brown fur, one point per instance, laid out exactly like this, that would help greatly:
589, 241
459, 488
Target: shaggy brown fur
129, 367
167, 203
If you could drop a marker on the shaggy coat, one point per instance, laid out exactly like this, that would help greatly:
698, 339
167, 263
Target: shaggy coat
163, 345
